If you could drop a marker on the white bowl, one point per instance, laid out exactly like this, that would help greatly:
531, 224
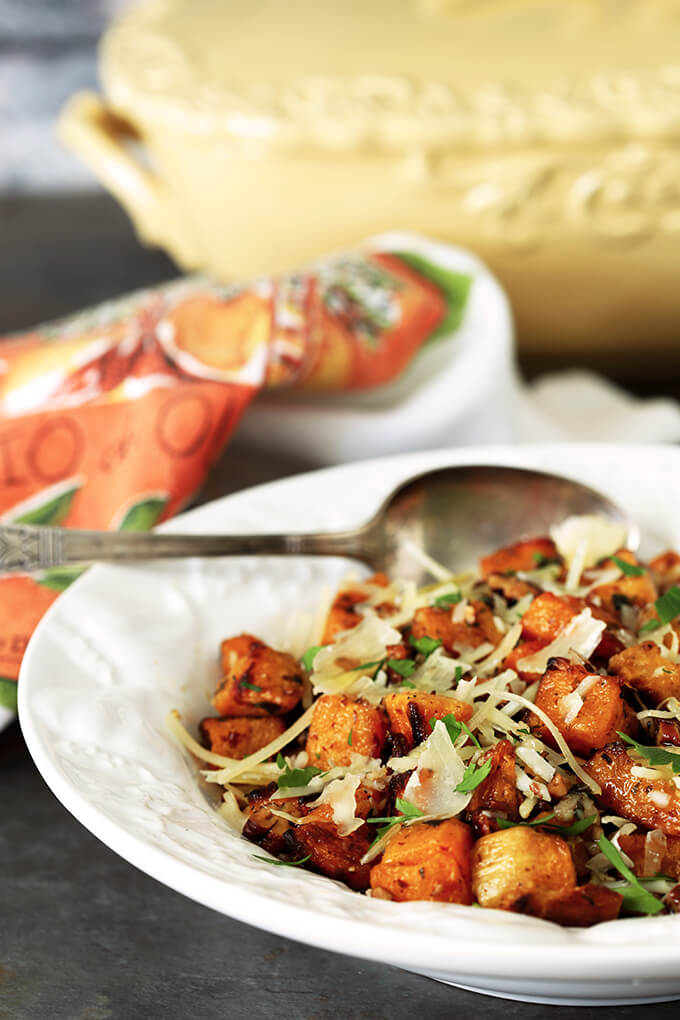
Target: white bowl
124, 645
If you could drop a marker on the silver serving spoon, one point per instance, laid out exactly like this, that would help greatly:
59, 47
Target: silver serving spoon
454, 514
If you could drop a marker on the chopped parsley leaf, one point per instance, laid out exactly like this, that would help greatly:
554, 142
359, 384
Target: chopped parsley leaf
251, 687
628, 569
424, 645
349, 738
654, 755
367, 665
290, 778
407, 809
458, 675
404, 667
637, 899
407, 683
308, 658
446, 601
474, 775
454, 728
507, 823
280, 864
667, 608
575, 829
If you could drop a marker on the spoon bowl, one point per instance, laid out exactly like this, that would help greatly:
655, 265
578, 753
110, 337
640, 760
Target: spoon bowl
453, 514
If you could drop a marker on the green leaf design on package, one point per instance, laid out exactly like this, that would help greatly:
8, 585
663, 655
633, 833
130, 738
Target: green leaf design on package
53, 511
145, 513
59, 578
8, 693
454, 286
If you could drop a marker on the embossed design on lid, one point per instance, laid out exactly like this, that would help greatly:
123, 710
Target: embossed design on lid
395, 73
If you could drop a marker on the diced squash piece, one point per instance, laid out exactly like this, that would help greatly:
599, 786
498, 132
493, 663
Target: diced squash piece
639, 590
433, 622
526, 555
577, 908
602, 714
665, 570
335, 856
497, 793
257, 679
548, 615
270, 831
239, 736
427, 861
341, 727
668, 733
409, 714
645, 668
510, 587
523, 650
343, 613
653, 803
633, 846
510, 866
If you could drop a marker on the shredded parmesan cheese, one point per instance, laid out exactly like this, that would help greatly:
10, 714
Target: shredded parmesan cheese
340, 795
571, 704
588, 538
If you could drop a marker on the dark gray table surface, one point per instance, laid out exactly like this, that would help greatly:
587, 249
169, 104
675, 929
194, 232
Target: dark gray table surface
83, 934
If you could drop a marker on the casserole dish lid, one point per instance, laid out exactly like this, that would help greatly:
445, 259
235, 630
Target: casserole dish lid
398, 74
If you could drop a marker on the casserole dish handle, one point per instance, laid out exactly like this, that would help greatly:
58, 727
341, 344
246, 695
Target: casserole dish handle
105, 142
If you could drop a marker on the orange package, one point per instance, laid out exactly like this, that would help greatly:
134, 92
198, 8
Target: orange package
112, 418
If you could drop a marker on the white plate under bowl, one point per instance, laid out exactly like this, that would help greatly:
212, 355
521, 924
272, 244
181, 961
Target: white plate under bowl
124, 645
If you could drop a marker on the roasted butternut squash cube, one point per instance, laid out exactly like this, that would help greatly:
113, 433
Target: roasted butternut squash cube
427, 861
577, 908
341, 727
239, 736
601, 715
409, 714
652, 803
639, 590
526, 555
667, 733
523, 650
634, 847
512, 865
665, 570
343, 614
645, 668
333, 855
498, 792
257, 679
511, 588
548, 615
433, 622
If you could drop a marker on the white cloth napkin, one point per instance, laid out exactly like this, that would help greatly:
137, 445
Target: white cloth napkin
578, 405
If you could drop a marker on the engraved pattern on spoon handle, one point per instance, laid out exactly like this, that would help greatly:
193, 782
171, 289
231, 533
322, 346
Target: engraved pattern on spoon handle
28, 548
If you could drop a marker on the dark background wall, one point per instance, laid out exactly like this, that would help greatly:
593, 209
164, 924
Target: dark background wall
47, 52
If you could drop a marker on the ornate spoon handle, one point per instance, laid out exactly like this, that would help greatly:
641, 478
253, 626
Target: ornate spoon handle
26, 548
